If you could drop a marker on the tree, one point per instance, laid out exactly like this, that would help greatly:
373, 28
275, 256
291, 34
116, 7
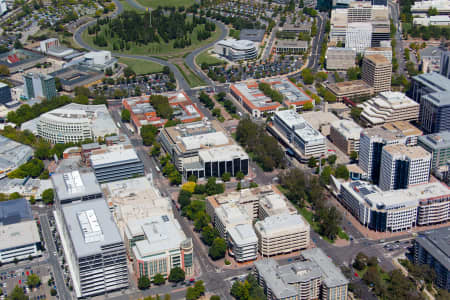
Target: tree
240, 175
126, 115
176, 275
143, 283
353, 156
189, 186
218, 249
307, 75
18, 44
373, 261
148, 134
156, 149
308, 106
355, 112
342, 172
214, 297
216, 112
312, 162
332, 159
360, 261
201, 220
226, 176
4, 71
325, 175
321, 76
17, 294
196, 291
33, 280
159, 279
53, 292
209, 234
128, 72
47, 196
353, 73
192, 178
184, 198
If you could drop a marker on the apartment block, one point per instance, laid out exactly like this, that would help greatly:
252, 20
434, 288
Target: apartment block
280, 234
157, 244
93, 248
432, 248
340, 58
389, 107
402, 167
345, 134
313, 277
438, 144
291, 126
377, 72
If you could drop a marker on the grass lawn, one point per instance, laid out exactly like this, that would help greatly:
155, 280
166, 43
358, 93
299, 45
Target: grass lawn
155, 49
192, 79
156, 3
205, 57
127, 6
140, 66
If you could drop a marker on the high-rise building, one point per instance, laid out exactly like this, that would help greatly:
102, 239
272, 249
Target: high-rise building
432, 248
345, 134
340, 58
438, 144
402, 166
445, 64
39, 86
435, 112
359, 11
371, 145
5, 93
377, 72
358, 36
385, 51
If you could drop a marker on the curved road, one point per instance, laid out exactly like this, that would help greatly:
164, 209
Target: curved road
182, 83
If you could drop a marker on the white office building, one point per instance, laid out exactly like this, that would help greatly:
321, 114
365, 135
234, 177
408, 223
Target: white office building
93, 248
293, 127
281, 234
340, 58
99, 60
402, 166
359, 36
228, 216
243, 242
236, 50
338, 25
19, 241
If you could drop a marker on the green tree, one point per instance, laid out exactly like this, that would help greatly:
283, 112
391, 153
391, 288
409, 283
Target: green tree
125, 115
17, 294
353, 156
33, 280
321, 76
192, 178
216, 112
159, 279
184, 198
48, 196
332, 159
156, 149
201, 220
312, 162
176, 275
226, 176
342, 172
209, 234
353, 73
218, 249
307, 75
214, 297
360, 261
148, 134
128, 72
355, 113
53, 292
240, 175
143, 283
325, 175
308, 106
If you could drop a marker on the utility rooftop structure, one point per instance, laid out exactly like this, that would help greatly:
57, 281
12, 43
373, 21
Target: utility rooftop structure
75, 186
94, 248
12, 155
389, 107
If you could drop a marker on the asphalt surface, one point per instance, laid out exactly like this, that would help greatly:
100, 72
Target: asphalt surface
313, 62
399, 51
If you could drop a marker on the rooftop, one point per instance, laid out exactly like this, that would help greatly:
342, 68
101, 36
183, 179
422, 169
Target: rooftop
280, 223
381, 133
291, 44
437, 243
75, 184
377, 59
434, 81
243, 234
412, 152
230, 214
228, 152
15, 211
436, 140
275, 204
302, 128
345, 87
113, 155
237, 44
19, 234
254, 35
406, 128
348, 128
13, 154
90, 226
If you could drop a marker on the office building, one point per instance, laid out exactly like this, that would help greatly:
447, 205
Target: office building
157, 245
19, 60
438, 144
236, 50
19, 241
73, 123
377, 72
359, 11
371, 144
405, 129
229, 215
389, 107
15, 211
421, 7
402, 166
340, 58
338, 25
432, 20
314, 277
77, 75
97, 60
396, 210
435, 112
359, 36
444, 69
426, 84
116, 163
381, 32
12, 155
292, 30
254, 35
184, 141
93, 248
385, 51
345, 134
39, 86
75, 187
432, 248
291, 47
243, 243
273, 203
290, 125
431, 59
281, 234
5, 93
350, 90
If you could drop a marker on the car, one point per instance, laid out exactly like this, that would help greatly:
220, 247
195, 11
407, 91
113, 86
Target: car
174, 285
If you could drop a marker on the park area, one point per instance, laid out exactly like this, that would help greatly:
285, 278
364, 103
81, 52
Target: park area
205, 58
164, 3
140, 66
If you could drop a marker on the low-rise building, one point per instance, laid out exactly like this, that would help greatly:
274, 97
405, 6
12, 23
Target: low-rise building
12, 155
75, 187
271, 204
432, 248
345, 135
438, 144
396, 210
236, 50
254, 35
19, 60
280, 234
243, 242
116, 163
389, 107
431, 59
290, 30
157, 245
350, 90
290, 125
423, 6
98, 60
291, 47
432, 20
314, 277
93, 248
340, 58
77, 75
228, 216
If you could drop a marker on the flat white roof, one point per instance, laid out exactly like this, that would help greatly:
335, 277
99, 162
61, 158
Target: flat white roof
300, 126
237, 44
225, 153
243, 234
19, 234
232, 214
114, 155
348, 128
208, 139
281, 223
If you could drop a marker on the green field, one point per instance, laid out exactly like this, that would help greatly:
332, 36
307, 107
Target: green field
127, 6
156, 3
205, 57
192, 79
141, 67
155, 49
